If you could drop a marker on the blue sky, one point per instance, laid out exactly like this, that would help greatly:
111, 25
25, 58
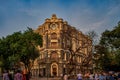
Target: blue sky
85, 15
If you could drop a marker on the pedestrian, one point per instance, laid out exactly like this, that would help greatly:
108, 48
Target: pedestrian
6, 75
118, 75
79, 76
24, 72
91, 76
18, 75
61, 75
96, 76
87, 76
65, 77
24, 76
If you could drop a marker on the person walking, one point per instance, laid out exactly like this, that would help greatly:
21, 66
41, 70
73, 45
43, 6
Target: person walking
5, 75
79, 76
18, 76
118, 75
65, 77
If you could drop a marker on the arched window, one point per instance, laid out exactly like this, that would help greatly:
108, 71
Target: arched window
54, 55
53, 36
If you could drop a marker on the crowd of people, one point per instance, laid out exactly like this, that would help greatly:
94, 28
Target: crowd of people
21, 75
17, 75
111, 75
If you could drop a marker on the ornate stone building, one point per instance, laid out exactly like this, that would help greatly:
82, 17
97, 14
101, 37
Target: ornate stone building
64, 50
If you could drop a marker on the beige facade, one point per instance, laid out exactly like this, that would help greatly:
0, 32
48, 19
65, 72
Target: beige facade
60, 42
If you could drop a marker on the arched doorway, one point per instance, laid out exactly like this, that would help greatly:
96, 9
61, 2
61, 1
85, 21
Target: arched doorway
54, 69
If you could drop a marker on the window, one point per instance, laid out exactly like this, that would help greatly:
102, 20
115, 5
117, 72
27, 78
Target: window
53, 36
53, 44
54, 55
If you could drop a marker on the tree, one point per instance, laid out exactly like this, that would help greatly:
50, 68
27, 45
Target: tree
30, 42
9, 48
111, 40
86, 58
103, 58
93, 35
20, 47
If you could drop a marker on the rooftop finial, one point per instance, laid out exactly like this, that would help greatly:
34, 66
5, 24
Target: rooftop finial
54, 16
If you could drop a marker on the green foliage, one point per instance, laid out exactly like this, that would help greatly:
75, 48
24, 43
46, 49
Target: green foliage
103, 57
111, 40
20, 47
117, 57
